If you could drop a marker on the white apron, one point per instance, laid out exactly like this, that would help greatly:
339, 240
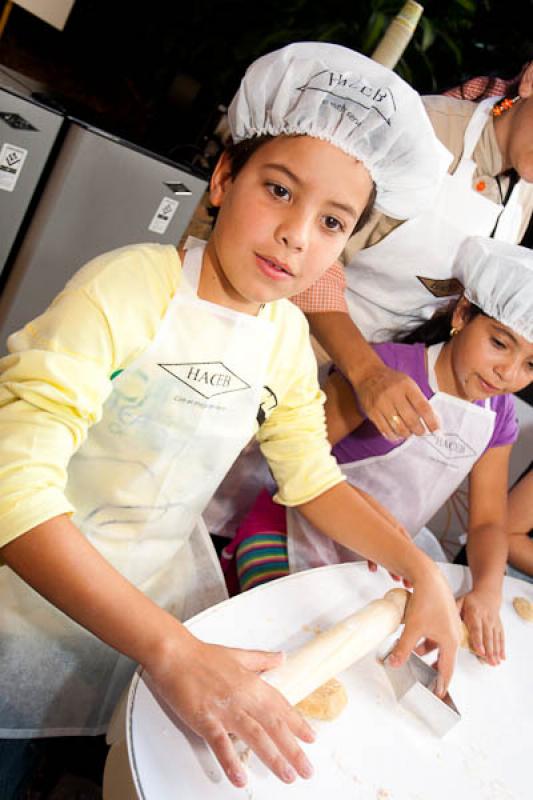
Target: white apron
412, 481
383, 291
176, 420
234, 498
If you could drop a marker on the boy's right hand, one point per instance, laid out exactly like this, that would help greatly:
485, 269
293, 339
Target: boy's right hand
215, 690
376, 505
431, 614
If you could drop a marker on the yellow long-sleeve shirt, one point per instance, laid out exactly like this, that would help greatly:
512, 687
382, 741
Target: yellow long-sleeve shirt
58, 375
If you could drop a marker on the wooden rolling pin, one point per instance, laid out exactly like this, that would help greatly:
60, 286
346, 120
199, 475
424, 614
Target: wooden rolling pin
334, 650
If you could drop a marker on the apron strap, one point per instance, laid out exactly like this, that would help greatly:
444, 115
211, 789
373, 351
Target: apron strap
192, 264
432, 354
192, 268
475, 126
472, 135
510, 206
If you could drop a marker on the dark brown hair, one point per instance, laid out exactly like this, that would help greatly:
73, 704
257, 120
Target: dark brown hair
438, 327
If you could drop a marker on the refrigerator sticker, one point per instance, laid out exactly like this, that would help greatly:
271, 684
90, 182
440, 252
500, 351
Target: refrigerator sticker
163, 215
11, 161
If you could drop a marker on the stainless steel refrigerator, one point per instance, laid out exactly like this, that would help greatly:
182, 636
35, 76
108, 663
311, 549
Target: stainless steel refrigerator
28, 134
101, 193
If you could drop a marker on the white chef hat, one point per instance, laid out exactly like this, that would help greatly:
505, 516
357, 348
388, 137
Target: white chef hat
333, 93
498, 277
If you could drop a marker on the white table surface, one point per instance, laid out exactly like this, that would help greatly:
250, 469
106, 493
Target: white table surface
375, 750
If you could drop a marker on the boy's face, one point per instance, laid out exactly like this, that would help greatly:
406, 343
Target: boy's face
283, 220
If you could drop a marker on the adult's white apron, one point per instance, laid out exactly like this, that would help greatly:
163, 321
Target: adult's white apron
383, 291
176, 420
412, 481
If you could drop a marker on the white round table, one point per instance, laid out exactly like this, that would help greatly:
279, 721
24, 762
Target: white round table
376, 749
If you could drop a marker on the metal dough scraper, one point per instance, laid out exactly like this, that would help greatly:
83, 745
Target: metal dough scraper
413, 683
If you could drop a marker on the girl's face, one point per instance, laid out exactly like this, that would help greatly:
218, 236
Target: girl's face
282, 221
488, 358
514, 130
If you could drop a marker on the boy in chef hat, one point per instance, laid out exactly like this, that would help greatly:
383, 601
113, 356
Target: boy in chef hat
125, 403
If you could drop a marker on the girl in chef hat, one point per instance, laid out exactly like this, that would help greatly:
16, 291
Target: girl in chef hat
125, 403
468, 361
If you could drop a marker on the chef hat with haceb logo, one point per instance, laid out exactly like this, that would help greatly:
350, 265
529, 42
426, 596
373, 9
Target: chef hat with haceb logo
498, 277
333, 93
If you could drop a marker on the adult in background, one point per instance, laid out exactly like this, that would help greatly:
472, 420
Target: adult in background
397, 271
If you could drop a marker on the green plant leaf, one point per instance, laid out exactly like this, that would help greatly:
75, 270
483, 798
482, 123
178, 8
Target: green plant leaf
428, 33
404, 71
452, 46
468, 5
374, 31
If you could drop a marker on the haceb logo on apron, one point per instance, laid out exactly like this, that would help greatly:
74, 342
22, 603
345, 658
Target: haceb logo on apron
208, 378
449, 445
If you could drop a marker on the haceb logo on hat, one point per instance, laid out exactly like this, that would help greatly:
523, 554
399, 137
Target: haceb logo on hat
208, 378
352, 90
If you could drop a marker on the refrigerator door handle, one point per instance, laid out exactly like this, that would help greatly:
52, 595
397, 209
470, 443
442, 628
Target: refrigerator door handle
178, 188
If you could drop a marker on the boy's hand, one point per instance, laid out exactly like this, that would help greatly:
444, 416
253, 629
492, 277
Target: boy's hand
215, 690
481, 614
376, 505
431, 616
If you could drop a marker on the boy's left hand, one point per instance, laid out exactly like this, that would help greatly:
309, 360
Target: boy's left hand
480, 612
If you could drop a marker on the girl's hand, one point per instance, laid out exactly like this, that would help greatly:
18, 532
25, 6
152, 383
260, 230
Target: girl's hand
481, 614
215, 690
432, 616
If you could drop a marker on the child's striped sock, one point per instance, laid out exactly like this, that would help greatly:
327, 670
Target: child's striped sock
260, 558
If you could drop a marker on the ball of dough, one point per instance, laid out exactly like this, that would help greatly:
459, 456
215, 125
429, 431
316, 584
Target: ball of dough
326, 702
524, 608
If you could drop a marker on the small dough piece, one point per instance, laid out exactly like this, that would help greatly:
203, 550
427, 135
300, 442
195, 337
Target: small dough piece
326, 702
524, 608
465, 638
467, 644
